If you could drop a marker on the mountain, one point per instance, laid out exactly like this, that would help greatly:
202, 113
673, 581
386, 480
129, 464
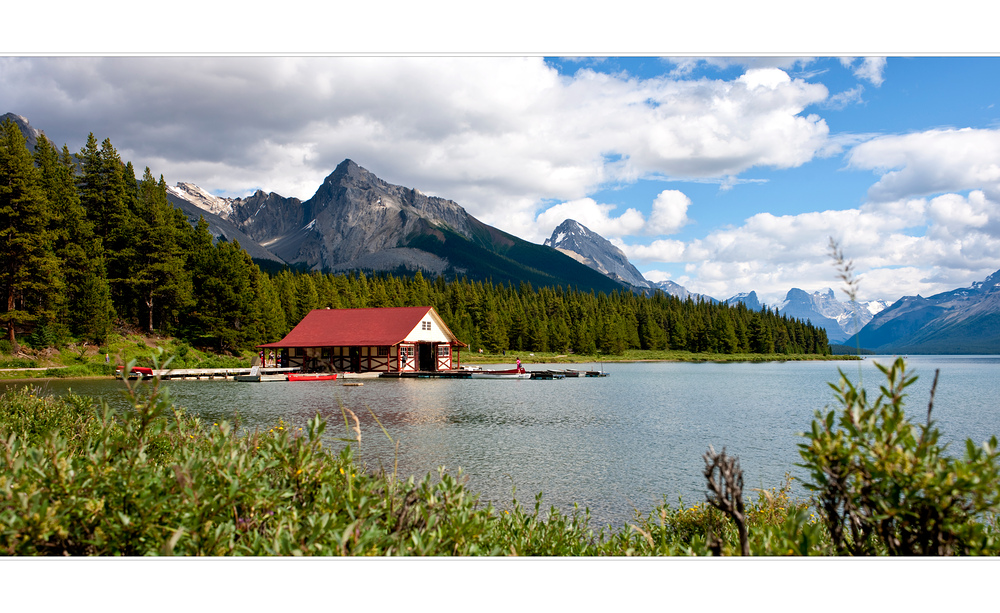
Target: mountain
31, 135
964, 320
219, 227
357, 221
750, 301
593, 250
840, 319
674, 289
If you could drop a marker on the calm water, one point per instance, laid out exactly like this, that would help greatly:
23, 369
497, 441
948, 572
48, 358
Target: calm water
612, 444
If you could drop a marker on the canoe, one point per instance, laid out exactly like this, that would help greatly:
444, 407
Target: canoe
137, 372
310, 376
548, 374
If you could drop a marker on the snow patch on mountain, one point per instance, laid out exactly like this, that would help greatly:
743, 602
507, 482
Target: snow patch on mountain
840, 319
223, 207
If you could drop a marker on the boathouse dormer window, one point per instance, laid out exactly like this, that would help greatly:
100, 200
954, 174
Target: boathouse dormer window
425, 325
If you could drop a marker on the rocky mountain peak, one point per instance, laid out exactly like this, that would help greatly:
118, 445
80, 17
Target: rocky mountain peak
190, 192
31, 135
749, 300
989, 283
589, 248
349, 169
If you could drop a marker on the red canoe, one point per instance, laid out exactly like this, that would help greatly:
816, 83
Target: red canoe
306, 376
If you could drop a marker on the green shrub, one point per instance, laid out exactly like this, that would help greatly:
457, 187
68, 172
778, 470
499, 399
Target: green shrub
884, 485
158, 482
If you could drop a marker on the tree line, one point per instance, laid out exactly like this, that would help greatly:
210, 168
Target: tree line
88, 249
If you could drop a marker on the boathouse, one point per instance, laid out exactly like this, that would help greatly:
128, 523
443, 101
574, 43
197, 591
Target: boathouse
397, 339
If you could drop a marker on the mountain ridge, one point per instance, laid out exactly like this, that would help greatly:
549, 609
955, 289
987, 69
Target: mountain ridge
963, 320
357, 221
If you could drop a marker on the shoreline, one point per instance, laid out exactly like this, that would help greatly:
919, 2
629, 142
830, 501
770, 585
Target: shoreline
560, 359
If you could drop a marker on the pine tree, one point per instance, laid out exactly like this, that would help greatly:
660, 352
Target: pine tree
159, 276
29, 269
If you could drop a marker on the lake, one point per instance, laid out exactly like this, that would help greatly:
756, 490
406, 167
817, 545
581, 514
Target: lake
611, 444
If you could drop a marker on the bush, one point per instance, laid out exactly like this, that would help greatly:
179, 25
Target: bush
77, 480
884, 485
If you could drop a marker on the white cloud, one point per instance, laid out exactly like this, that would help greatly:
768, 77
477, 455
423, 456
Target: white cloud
846, 97
669, 212
594, 216
496, 134
662, 250
931, 162
901, 247
869, 68
770, 78
686, 65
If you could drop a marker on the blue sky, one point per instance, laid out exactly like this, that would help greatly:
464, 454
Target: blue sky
724, 173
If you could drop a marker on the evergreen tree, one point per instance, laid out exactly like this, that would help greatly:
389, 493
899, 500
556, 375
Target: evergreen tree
159, 277
29, 269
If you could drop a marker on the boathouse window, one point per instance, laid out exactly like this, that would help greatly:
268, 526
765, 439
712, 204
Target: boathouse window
406, 352
444, 351
383, 351
425, 325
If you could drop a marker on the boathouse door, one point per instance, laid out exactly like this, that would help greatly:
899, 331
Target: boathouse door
426, 356
355, 355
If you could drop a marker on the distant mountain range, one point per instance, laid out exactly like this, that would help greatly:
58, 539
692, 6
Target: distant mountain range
840, 319
965, 320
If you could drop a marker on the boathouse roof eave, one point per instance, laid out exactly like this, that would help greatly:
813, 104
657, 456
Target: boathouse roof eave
372, 327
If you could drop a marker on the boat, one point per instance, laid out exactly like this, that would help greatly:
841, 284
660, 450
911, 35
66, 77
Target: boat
137, 372
312, 376
253, 377
548, 374
510, 373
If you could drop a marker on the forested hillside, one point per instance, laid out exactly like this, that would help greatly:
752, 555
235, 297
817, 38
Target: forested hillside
88, 250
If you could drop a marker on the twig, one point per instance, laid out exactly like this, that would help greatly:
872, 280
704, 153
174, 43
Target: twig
727, 491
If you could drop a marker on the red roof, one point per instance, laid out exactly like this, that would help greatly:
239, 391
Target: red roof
358, 327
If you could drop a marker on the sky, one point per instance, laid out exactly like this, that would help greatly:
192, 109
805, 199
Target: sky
725, 172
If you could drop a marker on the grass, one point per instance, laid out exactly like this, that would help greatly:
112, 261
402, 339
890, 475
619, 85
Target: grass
77, 361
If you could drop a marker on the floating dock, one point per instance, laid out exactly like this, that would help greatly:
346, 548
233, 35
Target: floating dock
277, 374
467, 374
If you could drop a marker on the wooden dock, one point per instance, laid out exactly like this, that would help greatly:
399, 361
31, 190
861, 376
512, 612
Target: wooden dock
231, 373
